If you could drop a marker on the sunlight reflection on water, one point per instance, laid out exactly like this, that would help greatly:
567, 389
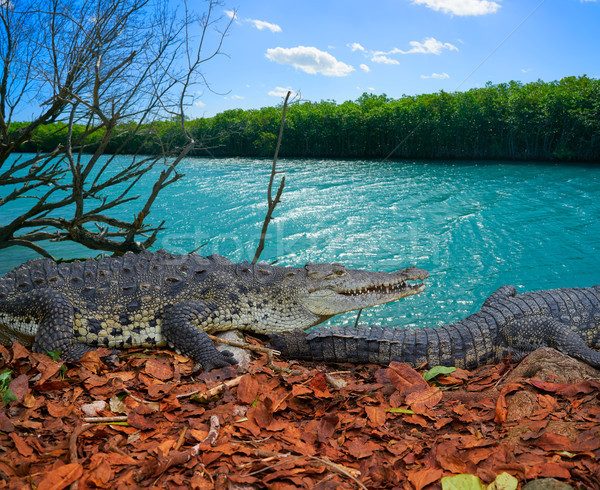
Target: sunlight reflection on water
475, 227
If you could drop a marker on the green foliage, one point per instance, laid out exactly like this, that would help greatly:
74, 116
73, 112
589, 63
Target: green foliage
503, 481
53, 354
436, 371
405, 411
5, 380
536, 121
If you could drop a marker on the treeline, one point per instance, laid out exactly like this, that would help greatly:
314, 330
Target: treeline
535, 121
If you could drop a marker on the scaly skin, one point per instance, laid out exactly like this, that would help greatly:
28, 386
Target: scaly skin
507, 324
161, 299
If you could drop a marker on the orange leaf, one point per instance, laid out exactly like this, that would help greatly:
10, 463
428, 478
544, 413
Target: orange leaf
57, 410
22, 446
553, 442
326, 427
567, 389
46, 366
19, 386
5, 424
101, 472
421, 478
422, 400
376, 415
247, 390
91, 360
319, 382
261, 414
140, 422
404, 378
159, 369
360, 448
19, 352
298, 390
61, 477
448, 458
553, 470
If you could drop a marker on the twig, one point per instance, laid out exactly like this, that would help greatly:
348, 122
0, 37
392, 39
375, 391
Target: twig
73, 441
213, 433
181, 439
342, 470
357, 318
73, 448
272, 202
200, 395
156, 467
254, 348
105, 420
139, 400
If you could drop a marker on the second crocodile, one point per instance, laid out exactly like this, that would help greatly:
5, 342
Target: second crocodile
508, 323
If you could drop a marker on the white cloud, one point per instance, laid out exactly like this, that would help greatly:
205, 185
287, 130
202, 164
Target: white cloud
365, 68
429, 45
261, 24
438, 76
355, 47
461, 7
199, 103
378, 57
280, 91
527, 70
236, 97
310, 60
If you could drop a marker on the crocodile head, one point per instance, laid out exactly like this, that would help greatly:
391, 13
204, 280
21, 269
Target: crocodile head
332, 288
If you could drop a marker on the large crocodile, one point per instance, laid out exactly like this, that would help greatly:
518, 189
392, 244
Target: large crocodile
507, 324
157, 299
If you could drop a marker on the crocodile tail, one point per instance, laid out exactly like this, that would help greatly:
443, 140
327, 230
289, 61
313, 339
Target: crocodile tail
450, 345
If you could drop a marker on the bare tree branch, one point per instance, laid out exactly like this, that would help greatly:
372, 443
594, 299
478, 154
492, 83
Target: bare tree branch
102, 72
272, 203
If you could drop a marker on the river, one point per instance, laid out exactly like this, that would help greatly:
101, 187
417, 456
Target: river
473, 226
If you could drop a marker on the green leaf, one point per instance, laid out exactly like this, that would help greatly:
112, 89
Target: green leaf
566, 454
504, 481
5, 377
436, 371
400, 410
8, 396
462, 482
54, 354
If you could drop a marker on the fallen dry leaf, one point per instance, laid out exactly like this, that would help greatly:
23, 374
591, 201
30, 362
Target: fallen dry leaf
377, 427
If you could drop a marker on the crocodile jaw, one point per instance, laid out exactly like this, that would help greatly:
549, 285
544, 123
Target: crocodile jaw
358, 289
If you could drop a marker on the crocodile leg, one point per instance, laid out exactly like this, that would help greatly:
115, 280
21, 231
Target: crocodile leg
181, 331
548, 332
43, 318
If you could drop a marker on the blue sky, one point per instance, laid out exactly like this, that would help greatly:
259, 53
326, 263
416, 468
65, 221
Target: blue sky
338, 49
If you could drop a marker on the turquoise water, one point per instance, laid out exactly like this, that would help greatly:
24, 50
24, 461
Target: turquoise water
474, 227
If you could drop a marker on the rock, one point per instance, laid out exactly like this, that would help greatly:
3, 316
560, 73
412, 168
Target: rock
547, 484
242, 356
552, 366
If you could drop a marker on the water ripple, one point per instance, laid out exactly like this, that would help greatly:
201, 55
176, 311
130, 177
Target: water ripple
475, 227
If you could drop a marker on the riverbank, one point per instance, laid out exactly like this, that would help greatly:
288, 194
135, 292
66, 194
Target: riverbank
539, 121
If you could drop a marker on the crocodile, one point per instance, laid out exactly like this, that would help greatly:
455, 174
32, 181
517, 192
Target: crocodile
508, 324
159, 299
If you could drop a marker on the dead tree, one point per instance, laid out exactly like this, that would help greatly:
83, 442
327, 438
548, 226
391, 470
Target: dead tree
107, 70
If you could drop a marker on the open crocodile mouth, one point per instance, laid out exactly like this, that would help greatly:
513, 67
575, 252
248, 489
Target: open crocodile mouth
412, 286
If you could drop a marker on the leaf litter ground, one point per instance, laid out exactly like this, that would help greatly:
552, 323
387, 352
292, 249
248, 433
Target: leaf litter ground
149, 422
